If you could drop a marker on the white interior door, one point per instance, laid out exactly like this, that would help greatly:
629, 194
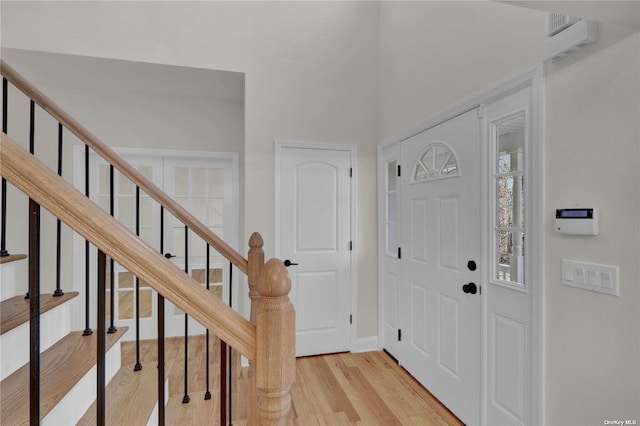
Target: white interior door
124, 209
315, 234
207, 187
440, 216
204, 187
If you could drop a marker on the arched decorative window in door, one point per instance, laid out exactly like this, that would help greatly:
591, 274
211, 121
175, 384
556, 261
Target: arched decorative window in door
436, 161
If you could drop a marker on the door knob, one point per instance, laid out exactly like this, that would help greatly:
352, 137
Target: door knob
471, 265
169, 255
470, 288
288, 263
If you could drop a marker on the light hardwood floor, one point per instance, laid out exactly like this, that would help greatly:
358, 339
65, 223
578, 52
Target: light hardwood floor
338, 389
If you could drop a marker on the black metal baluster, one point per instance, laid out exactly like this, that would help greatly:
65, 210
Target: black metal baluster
138, 365
87, 329
58, 291
34, 313
161, 379
102, 340
32, 126
207, 394
5, 115
223, 382
32, 143
185, 398
3, 235
230, 348
112, 277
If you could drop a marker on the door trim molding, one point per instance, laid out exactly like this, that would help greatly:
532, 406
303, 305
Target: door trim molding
279, 145
382, 242
533, 79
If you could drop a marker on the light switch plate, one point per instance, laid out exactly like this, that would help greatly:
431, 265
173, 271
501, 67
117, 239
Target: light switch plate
590, 276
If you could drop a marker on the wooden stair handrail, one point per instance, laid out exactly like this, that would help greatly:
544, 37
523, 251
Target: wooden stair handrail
78, 212
122, 166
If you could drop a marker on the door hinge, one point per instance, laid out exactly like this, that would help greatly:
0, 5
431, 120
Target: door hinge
350, 171
350, 319
399, 253
350, 245
399, 172
399, 335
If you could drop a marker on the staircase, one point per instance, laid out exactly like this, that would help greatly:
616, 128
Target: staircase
52, 374
67, 367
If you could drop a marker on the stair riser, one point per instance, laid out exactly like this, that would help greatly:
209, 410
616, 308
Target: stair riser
7, 281
153, 419
14, 344
75, 403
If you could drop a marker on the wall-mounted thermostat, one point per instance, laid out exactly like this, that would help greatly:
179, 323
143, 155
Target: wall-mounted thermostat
577, 221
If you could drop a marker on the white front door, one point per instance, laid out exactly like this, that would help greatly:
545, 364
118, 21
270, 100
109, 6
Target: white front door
440, 217
315, 234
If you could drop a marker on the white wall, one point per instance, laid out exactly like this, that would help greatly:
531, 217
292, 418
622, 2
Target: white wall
593, 154
310, 75
434, 54
116, 101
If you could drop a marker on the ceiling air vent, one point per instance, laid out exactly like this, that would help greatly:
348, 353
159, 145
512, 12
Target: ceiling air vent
557, 22
567, 34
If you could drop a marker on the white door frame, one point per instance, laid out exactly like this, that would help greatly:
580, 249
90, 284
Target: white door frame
535, 197
383, 254
353, 149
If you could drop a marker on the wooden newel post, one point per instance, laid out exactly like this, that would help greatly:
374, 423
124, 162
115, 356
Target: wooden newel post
276, 346
256, 265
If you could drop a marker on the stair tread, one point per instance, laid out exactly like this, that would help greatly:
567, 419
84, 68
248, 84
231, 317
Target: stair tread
61, 367
15, 311
12, 258
131, 396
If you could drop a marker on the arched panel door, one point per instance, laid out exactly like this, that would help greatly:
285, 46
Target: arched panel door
315, 235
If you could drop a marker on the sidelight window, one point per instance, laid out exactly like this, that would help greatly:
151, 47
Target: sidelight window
391, 207
509, 184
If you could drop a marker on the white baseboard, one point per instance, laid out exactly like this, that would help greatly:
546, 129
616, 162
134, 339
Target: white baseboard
366, 344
